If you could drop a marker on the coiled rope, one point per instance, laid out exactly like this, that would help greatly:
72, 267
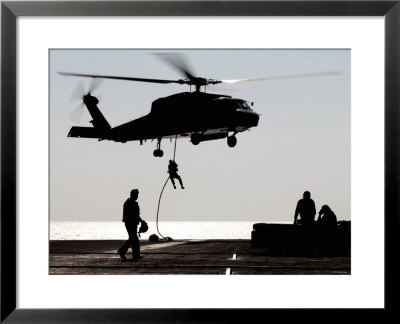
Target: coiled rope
162, 190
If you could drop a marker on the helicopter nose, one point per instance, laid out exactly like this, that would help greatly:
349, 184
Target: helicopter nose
255, 119
250, 118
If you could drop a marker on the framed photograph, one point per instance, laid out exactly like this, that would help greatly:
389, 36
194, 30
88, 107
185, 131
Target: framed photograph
240, 138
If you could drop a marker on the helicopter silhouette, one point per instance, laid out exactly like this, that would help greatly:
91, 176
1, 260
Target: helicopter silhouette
197, 115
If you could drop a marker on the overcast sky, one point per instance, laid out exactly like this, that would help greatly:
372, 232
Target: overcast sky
302, 141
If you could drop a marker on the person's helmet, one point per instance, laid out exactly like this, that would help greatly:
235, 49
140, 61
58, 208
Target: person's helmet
143, 227
154, 238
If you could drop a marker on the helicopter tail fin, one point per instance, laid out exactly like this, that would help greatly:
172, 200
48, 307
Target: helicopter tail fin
99, 122
100, 127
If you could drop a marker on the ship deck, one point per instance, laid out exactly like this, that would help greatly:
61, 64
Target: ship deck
197, 257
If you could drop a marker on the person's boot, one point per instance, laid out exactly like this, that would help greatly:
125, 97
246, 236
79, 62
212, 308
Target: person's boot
136, 258
122, 255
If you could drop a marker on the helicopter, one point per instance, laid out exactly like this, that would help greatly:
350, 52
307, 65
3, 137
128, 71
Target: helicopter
197, 115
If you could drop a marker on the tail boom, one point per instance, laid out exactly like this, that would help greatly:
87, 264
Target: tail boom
87, 132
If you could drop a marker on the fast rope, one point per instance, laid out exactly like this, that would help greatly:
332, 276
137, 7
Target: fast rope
162, 190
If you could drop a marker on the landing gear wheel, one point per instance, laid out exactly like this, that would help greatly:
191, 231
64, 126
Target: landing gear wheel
158, 153
232, 141
195, 139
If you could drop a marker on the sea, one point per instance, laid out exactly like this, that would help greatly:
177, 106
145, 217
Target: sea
69, 230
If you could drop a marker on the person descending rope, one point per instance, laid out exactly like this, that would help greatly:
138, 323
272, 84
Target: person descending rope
173, 173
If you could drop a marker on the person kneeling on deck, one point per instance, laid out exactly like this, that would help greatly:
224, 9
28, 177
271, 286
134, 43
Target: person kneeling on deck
327, 218
131, 218
173, 173
327, 227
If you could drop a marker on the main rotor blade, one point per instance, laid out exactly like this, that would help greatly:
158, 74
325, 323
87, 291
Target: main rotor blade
119, 78
293, 76
178, 62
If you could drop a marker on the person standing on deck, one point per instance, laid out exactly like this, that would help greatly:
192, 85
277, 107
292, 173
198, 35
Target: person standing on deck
306, 209
131, 218
173, 173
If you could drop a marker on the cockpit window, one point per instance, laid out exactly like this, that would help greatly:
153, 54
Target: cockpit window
242, 104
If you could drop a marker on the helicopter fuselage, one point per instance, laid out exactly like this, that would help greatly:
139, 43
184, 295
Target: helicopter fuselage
189, 113
197, 115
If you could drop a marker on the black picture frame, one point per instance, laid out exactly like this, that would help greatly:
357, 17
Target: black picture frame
11, 10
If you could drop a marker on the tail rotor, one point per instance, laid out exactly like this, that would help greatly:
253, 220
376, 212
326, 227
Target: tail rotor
78, 93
